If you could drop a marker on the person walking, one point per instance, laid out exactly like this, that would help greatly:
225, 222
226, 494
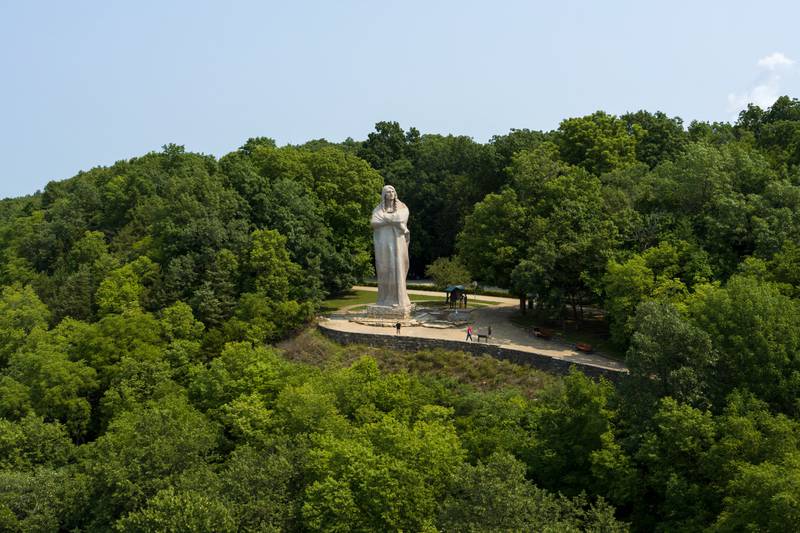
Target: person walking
469, 334
397, 328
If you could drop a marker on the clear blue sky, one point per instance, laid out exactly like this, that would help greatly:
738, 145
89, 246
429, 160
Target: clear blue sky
88, 83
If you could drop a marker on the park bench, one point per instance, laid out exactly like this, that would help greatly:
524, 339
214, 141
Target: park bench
543, 333
583, 347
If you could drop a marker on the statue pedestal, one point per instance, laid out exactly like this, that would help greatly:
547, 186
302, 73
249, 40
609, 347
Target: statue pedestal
388, 312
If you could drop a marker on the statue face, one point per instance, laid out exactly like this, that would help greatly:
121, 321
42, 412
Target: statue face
390, 194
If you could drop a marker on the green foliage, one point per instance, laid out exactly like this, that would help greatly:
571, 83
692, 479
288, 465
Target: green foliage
106, 342
134, 383
495, 496
179, 323
447, 271
492, 423
388, 143
441, 177
598, 142
319, 200
175, 511
269, 261
123, 289
362, 392
626, 285
669, 356
41, 500
258, 488
56, 388
658, 137
568, 427
763, 497
516, 140
387, 476
72, 290
674, 453
493, 239
755, 329
776, 130
665, 272
138, 392
145, 451
547, 237
305, 409
784, 268
21, 311
749, 433
32, 442
174, 226
241, 369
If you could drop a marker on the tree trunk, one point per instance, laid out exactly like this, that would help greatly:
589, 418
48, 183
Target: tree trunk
574, 304
522, 303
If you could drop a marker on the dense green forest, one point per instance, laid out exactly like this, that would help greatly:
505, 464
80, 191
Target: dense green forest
157, 372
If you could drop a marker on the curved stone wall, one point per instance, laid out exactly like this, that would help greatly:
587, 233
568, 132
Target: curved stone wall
541, 362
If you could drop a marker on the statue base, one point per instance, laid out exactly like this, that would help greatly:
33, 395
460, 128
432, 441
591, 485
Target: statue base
390, 311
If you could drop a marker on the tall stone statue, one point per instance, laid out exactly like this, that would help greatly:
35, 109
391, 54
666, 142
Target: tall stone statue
391, 236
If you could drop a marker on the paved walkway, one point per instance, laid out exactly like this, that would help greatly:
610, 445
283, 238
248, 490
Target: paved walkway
504, 333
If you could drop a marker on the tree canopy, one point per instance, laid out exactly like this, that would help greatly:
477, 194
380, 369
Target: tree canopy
156, 373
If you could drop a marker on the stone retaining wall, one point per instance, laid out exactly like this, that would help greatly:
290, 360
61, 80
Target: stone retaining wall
400, 342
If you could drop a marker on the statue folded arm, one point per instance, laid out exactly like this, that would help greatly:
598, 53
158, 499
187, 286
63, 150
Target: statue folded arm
384, 218
397, 219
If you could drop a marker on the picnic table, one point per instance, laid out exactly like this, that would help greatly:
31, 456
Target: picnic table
542, 333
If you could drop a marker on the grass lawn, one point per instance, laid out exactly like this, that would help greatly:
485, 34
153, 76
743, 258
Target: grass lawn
361, 299
365, 298
426, 303
593, 330
347, 299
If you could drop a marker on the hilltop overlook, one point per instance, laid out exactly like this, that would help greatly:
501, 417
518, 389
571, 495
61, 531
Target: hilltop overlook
159, 368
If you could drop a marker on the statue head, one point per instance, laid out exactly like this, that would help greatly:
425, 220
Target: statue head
389, 198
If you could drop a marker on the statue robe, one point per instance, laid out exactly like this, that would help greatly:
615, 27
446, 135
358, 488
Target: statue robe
391, 254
